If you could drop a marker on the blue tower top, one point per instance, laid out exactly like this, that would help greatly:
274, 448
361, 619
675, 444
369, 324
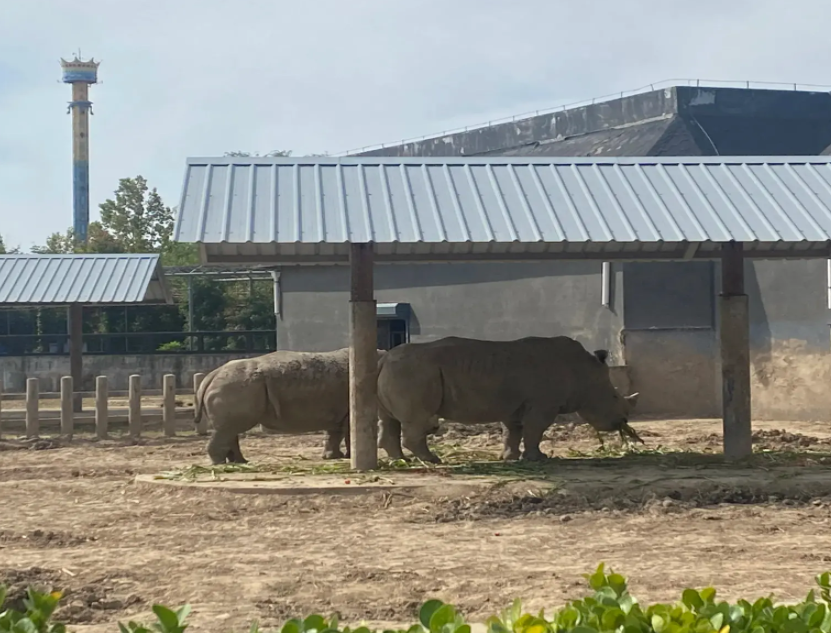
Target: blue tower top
78, 71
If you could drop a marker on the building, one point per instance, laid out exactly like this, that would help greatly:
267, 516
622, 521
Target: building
657, 319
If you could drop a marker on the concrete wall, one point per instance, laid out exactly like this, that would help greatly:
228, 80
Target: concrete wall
789, 338
16, 369
674, 359
493, 301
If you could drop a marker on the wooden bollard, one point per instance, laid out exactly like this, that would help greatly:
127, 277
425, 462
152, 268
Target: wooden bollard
134, 413
169, 404
102, 420
67, 413
202, 427
32, 407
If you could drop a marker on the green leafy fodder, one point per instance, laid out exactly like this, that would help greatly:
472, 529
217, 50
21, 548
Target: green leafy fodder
610, 608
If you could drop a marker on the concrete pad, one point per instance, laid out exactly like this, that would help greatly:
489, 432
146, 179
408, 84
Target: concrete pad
421, 484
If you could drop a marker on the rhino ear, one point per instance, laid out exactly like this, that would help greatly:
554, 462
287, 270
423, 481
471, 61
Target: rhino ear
633, 399
602, 355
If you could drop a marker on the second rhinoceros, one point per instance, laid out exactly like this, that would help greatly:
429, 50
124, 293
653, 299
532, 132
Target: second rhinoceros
524, 384
284, 391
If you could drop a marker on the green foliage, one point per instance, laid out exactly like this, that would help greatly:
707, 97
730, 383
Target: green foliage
610, 608
5, 250
36, 618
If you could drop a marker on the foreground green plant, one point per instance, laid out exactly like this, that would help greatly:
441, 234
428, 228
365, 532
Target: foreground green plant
611, 608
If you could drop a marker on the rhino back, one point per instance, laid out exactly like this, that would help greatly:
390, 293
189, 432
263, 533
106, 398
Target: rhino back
489, 381
311, 389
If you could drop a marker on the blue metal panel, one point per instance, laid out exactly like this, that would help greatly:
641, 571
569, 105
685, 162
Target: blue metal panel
82, 76
80, 198
312, 207
88, 279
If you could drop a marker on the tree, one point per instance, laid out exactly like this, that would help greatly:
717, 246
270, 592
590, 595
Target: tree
275, 152
4, 250
137, 218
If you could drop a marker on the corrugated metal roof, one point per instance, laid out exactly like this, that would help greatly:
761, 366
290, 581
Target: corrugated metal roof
306, 210
88, 279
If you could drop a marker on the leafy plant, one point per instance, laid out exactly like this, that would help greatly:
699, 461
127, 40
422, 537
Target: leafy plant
611, 608
39, 609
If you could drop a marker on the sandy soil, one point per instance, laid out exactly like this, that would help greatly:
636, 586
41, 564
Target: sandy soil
73, 518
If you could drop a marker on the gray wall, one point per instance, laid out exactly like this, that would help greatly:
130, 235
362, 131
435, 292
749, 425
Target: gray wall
671, 343
14, 370
493, 301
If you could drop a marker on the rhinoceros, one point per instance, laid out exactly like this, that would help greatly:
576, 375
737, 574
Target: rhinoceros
284, 391
524, 384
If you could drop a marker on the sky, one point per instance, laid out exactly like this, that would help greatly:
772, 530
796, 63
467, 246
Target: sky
186, 78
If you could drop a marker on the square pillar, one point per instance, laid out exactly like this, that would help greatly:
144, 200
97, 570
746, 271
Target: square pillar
75, 325
363, 360
735, 354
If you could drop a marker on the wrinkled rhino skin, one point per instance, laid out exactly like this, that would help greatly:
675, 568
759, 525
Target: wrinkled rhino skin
524, 384
284, 391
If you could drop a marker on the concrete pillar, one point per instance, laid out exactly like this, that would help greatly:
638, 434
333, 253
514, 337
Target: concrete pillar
32, 408
735, 354
202, 427
75, 325
169, 404
67, 414
363, 360
134, 411
102, 420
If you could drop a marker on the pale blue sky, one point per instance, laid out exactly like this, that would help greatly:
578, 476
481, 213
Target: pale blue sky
201, 77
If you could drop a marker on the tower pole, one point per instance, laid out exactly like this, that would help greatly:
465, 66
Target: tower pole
80, 74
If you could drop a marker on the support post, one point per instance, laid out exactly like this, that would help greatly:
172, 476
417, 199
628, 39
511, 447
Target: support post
32, 408
169, 404
363, 361
102, 416
202, 426
67, 414
75, 325
134, 404
735, 354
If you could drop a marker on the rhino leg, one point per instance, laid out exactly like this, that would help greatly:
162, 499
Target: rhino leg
331, 450
511, 437
415, 440
224, 447
389, 437
235, 454
533, 428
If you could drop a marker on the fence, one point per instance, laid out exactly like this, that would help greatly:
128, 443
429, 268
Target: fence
201, 342
102, 415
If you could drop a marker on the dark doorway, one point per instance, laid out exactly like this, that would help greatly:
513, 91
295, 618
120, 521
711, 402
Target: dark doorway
391, 333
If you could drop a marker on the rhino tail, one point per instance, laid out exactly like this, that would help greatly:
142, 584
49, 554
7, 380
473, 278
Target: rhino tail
199, 397
271, 398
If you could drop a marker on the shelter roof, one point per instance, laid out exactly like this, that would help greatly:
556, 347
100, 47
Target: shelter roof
89, 279
306, 210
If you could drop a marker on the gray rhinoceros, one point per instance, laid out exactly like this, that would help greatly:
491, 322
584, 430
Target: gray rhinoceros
284, 391
524, 384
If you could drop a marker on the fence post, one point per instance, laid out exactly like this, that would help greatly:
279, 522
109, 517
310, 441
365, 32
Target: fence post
67, 414
102, 421
169, 404
32, 405
134, 414
202, 427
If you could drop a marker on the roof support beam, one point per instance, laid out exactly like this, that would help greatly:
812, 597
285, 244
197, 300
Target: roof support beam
735, 354
363, 361
75, 325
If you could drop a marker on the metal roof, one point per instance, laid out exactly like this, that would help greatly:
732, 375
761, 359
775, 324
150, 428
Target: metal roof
306, 210
87, 279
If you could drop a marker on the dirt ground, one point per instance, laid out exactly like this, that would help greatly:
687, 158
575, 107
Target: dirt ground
671, 516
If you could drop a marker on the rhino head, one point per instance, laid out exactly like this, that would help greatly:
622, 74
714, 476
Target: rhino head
602, 405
